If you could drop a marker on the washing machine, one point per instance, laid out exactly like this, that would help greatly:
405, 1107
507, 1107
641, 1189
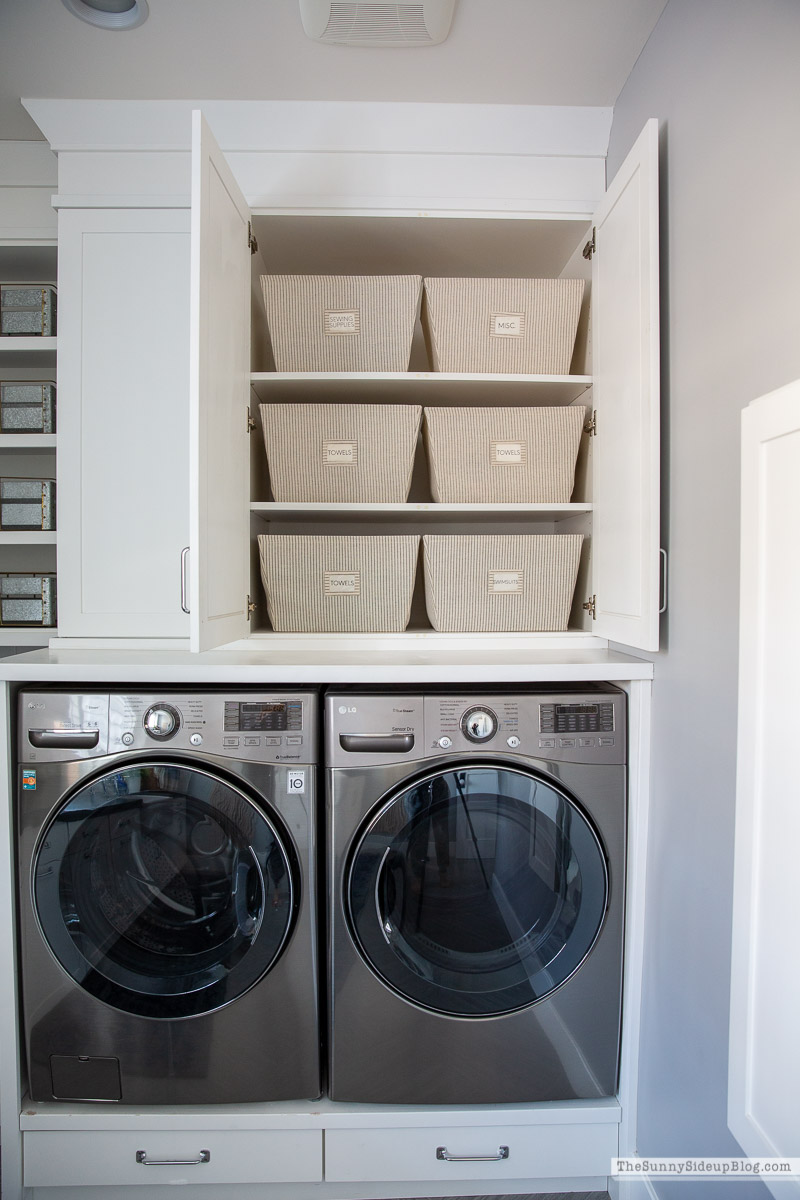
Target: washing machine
476, 879
167, 895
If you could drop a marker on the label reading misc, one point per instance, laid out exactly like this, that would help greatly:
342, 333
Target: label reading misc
507, 454
506, 582
341, 583
342, 454
507, 325
341, 321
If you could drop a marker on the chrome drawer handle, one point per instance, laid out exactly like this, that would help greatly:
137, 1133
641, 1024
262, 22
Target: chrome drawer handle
444, 1155
141, 1157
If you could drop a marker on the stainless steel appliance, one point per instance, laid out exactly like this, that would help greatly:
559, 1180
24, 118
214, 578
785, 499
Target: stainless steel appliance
167, 895
477, 879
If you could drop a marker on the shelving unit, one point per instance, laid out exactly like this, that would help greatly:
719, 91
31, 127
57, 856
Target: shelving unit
28, 454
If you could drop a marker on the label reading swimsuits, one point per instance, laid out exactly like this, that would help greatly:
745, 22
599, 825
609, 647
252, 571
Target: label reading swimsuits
506, 582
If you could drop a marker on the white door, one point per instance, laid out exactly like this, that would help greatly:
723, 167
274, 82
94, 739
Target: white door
764, 1059
219, 393
625, 341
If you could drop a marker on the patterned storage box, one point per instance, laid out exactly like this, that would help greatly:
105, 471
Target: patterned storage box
317, 583
27, 309
341, 452
27, 600
504, 326
500, 584
27, 504
503, 455
27, 406
342, 322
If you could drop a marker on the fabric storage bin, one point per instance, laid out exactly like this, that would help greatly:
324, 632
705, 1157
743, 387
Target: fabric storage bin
500, 584
27, 309
27, 407
27, 504
317, 583
504, 326
503, 455
342, 322
341, 452
27, 600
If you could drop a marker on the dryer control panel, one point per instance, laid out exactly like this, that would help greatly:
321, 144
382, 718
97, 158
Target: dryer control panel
257, 726
568, 726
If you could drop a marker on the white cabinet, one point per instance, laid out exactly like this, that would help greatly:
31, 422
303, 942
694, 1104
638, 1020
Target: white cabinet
616, 367
123, 418
27, 455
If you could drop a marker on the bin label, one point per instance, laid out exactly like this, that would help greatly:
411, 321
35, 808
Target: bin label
507, 325
506, 582
342, 583
341, 321
507, 454
341, 454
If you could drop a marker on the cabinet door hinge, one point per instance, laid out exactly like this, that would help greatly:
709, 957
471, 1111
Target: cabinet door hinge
251, 424
591, 606
591, 246
590, 424
251, 239
251, 608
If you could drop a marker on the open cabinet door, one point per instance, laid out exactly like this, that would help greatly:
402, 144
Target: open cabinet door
219, 393
625, 349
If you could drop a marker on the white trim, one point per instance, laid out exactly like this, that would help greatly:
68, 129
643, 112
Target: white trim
343, 126
10, 1052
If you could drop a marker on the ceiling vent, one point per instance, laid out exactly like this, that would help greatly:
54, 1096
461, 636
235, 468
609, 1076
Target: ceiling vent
355, 23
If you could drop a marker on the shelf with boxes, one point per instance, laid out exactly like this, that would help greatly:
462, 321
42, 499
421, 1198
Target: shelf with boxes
28, 444
369, 472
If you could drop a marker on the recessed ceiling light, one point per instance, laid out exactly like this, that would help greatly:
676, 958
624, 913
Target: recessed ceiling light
110, 14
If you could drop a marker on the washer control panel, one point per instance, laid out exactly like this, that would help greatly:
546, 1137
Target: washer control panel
565, 726
258, 726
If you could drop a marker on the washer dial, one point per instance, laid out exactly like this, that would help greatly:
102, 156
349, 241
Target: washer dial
162, 721
479, 724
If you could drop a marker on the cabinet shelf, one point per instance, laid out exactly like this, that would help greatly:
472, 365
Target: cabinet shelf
431, 388
27, 441
428, 512
32, 345
35, 636
25, 537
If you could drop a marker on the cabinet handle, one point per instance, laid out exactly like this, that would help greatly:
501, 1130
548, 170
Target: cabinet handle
664, 580
184, 585
141, 1157
443, 1154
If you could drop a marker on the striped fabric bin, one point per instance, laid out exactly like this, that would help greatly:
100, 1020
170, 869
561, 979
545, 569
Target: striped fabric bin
503, 326
342, 322
503, 455
341, 453
500, 584
316, 583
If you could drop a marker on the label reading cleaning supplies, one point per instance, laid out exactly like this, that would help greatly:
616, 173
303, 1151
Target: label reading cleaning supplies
507, 454
507, 325
506, 582
340, 454
29, 781
341, 583
341, 321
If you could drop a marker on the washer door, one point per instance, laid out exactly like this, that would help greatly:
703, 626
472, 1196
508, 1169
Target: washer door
163, 890
478, 891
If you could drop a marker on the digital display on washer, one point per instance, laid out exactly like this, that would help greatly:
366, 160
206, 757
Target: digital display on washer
263, 716
576, 718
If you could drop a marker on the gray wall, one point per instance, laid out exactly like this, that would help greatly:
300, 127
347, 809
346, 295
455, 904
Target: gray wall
723, 77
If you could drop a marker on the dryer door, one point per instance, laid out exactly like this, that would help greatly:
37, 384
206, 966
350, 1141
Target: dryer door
164, 890
478, 891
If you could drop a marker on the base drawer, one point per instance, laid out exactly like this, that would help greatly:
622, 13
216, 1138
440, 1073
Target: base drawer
64, 1158
479, 1152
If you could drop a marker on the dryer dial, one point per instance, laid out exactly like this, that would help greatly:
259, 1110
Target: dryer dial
479, 724
162, 721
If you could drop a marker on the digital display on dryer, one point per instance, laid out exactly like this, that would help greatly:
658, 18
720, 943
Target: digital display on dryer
253, 716
576, 718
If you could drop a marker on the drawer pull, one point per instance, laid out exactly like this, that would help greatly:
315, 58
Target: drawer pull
141, 1157
444, 1155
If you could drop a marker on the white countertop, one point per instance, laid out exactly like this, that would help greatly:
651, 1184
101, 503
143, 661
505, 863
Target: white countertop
304, 663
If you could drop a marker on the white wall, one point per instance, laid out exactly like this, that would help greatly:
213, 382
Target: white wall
723, 77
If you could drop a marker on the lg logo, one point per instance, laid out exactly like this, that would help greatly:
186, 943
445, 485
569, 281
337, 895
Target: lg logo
345, 708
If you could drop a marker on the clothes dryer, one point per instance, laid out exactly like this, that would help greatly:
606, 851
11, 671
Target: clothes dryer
476, 868
167, 896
